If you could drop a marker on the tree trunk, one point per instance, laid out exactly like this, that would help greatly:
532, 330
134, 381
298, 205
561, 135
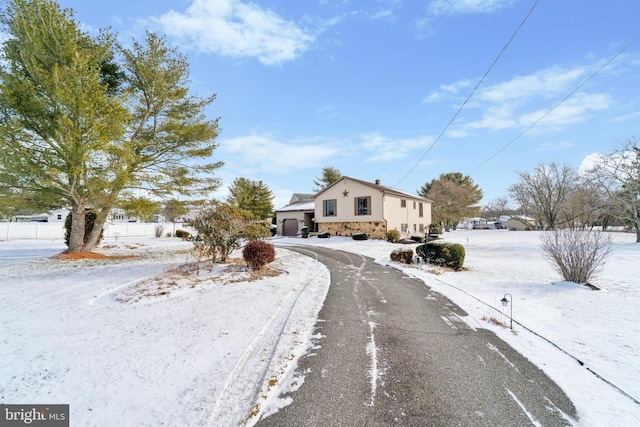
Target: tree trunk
76, 234
94, 234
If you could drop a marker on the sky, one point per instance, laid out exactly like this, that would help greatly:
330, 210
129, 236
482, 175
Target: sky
375, 88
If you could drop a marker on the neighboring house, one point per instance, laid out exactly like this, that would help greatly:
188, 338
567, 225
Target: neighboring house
58, 215
119, 215
350, 206
297, 214
473, 224
521, 223
54, 215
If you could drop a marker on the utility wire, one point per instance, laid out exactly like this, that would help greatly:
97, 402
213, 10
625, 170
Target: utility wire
495, 61
557, 104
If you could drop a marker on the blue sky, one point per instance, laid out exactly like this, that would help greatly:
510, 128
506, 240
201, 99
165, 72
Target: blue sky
368, 86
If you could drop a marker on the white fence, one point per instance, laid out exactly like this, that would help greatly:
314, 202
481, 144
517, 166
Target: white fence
55, 230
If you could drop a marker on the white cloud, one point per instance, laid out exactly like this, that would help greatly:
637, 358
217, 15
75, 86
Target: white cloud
237, 29
378, 148
523, 100
264, 153
458, 7
555, 146
545, 83
446, 91
590, 162
572, 111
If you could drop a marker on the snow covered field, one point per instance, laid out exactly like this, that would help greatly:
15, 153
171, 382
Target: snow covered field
136, 341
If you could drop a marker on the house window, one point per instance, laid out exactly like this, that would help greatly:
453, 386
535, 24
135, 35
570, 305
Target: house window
329, 207
59, 217
362, 205
403, 203
414, 204
420, 210
422, 228
404, 228
415, 228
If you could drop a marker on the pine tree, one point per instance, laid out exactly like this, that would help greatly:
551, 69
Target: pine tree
329, 176
82, 119
252, 196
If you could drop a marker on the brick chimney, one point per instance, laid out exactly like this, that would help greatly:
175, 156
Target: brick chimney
377, 182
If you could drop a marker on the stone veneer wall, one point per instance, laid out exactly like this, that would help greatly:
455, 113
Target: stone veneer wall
374, 229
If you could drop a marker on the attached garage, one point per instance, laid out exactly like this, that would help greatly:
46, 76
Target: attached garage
291, 218
289, 227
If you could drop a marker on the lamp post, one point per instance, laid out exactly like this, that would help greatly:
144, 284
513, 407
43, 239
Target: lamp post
505, 302
424, 248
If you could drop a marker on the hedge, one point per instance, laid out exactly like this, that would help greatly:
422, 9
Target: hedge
444, 254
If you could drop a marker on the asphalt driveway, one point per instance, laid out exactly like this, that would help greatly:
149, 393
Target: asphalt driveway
393, 352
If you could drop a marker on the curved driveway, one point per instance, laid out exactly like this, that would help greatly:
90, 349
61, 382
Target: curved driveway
393, 352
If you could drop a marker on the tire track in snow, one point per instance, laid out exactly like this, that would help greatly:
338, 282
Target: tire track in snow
241, 390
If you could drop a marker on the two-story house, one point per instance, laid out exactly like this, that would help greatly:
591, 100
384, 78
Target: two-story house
351, 206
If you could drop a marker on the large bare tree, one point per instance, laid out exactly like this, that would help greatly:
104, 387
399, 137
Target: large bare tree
618, 176
545, 189
455, 197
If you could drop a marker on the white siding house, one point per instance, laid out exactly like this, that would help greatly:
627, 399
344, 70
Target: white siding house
351, 205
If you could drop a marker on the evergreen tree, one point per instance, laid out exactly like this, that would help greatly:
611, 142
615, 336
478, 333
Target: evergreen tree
83, 119
329, 176
174, 209
252, 196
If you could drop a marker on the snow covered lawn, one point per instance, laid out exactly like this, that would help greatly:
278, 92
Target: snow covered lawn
136, 341
125, 345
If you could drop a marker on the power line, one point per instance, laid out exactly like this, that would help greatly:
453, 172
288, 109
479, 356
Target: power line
495, 61
557, 104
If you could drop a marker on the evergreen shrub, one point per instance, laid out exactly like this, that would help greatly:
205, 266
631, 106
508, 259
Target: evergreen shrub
443, 254
435, 229
393, 236
183, 234
89, 219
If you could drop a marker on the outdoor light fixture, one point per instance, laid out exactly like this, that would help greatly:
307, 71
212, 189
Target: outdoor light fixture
505, 302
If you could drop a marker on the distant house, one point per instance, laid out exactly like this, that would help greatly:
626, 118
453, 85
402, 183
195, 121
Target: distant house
351, 205
521, 223
473, 224
297, 214
58, 215
54, 215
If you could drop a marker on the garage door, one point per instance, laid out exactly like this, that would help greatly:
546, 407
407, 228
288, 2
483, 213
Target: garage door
289, 227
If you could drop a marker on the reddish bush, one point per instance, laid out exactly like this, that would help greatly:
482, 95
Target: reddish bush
258, 253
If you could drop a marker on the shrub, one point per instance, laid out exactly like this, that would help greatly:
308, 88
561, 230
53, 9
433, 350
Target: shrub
393, 236
417, 239
403, 255
359, 236
576, 254
258, 253
158, 230
444, 254
256, 230
183, 234
89, 219
219, 230
435, 229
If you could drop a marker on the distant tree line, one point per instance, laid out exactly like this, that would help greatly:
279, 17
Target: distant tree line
558, 196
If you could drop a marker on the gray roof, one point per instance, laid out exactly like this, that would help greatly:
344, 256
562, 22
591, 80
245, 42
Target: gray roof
305, 205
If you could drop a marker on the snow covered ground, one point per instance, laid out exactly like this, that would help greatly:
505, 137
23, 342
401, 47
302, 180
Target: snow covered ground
141, 341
